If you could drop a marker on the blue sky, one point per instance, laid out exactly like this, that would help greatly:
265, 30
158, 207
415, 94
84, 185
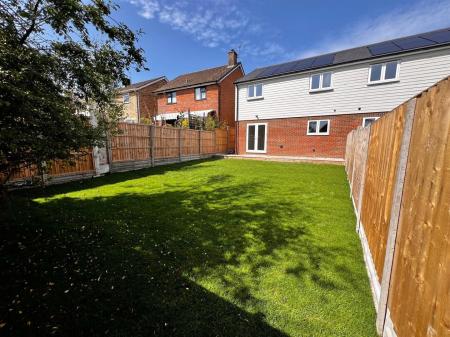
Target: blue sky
182, 36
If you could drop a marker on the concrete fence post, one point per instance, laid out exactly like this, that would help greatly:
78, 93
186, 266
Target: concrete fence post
395, 215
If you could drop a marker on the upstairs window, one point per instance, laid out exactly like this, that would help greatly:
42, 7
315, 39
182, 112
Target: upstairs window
200, 93
126, 98
320, 82
318, 127
384, 72
255, 91
171, 97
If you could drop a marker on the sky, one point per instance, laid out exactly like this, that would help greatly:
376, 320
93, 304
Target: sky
181, 36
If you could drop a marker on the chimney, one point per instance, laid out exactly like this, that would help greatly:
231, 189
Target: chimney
232, 58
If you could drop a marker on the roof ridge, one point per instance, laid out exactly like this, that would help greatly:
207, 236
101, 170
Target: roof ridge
199, 71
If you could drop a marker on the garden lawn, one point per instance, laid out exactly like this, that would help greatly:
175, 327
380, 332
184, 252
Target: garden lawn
205, 248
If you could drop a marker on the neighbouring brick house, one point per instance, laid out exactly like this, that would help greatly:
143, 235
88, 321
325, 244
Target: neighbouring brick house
202, 93
139, 99
306, 108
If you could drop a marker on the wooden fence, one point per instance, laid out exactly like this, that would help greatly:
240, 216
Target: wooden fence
140, 145
399, 173
136, 146
59, 171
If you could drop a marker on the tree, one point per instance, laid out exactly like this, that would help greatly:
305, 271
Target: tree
59, 59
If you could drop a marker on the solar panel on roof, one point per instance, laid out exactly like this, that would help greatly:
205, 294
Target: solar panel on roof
439, 37
323, 60
269, 71
384, 48
413, 43
303, 64
286, 67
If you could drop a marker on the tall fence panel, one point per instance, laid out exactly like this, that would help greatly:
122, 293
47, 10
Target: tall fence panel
419, 296
132, 143
381, 167
404, 213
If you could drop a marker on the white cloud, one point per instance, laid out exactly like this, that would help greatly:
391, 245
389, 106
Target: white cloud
148, 7
213, 23
417, 18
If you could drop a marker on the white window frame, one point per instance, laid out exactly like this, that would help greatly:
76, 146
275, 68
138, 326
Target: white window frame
127, 100
365, 118
254, 90
200, 90
320, 88
317, 133
383, 73
172, 97
256, 138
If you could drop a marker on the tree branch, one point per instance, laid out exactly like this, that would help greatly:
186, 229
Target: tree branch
33, 23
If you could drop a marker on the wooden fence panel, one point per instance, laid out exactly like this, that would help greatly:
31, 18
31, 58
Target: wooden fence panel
359, 149
208, 145
221, 141
190, 141
419, 295
349, 154
231, 140
166, 142
133, 143
81, 164
382, 160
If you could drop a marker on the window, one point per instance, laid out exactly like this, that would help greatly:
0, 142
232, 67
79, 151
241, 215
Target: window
320, 82
384, 72
254, 91
200, 93
256, 137
126, 98
318, 127
368, 120
171, 98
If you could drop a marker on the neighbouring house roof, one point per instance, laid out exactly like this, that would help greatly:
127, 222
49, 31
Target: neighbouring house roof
140, 85
434, 39
206, 76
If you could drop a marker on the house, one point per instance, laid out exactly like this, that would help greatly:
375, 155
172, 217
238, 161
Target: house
202, 93
139, 99
306, 108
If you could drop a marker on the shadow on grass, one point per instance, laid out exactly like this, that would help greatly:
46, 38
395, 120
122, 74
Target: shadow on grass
126, 265
113, 178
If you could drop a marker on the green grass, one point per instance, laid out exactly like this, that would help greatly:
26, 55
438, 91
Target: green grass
206, 248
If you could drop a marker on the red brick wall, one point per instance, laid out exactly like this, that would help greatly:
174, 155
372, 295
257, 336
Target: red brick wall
148, 100
287, 137
186, 100
227, 97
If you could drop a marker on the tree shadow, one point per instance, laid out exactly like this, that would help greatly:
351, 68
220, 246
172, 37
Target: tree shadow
127, 264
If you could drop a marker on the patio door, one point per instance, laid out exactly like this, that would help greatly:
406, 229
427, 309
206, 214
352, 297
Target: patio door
257, 137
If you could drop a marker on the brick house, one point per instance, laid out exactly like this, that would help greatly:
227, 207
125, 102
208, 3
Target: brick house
306, 108
139, 99
202, 93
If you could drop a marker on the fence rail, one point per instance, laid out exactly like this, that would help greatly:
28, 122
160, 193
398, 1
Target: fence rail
399, 174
